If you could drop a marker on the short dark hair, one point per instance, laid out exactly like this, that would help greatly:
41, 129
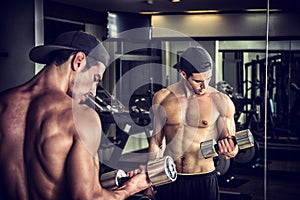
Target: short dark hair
60, 56
189, 73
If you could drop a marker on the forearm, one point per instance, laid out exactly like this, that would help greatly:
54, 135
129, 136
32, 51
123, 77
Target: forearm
231, 154
103, 194
119, 194
156, 149
137, 182
228, 147
124, 191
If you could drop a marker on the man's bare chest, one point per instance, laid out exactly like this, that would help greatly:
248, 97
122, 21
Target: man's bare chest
191, 112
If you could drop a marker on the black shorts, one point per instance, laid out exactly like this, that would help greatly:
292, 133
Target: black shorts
190, 187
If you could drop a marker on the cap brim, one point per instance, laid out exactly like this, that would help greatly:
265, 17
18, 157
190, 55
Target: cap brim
176, 66
41, 54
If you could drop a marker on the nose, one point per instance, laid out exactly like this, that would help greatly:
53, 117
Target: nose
203, 86
94, 89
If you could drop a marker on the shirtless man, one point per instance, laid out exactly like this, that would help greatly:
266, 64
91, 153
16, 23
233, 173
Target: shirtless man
186, 114
48, 139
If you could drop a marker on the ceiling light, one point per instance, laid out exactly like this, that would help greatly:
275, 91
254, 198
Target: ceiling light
150, 2
263, 10
175, 1
201, 11
149, 13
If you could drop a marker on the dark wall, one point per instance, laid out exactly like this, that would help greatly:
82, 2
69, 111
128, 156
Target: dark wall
17, 35
73, 13
16, 40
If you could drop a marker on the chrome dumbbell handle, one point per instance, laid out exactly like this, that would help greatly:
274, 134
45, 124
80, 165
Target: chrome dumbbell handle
160, 172
244, 139
113, 179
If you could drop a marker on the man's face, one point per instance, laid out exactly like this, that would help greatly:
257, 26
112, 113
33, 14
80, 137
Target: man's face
87, 80
200, 81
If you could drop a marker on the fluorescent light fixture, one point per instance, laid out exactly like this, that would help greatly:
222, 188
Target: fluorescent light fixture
263, 10
201, 11
149, 13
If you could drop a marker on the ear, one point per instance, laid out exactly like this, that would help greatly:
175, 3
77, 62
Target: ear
183, 74
78, 60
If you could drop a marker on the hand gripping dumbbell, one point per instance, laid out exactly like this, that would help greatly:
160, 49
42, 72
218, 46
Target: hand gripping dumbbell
243, 139
160, 172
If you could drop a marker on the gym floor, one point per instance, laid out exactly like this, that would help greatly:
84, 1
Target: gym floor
283, 170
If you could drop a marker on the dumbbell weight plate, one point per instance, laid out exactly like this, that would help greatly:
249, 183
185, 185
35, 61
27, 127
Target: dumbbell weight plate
247, 155
222, 165
244, 139
208, 148
110, 180
162, 171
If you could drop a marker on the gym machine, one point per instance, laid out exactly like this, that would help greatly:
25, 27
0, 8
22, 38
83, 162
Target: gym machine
282, 73
112, 111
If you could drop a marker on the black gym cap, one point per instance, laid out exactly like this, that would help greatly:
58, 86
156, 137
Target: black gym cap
195, 60
72, 40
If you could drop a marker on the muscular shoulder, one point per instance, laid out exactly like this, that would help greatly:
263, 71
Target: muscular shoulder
66, 113
161, 95
222, 102
73, 120
7, 96
87, 127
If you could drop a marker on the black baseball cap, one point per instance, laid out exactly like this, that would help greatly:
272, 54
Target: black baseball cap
195, 60
72, 40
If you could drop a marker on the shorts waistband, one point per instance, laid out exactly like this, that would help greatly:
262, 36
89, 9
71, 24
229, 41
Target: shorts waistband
196, 173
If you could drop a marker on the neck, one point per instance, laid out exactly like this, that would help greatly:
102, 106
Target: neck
52, 77
187, 89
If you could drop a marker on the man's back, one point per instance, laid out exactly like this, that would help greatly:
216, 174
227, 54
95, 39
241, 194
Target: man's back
13, 112
47, 143
35, 142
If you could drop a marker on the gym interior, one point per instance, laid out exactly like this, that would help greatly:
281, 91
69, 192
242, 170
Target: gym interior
257, 64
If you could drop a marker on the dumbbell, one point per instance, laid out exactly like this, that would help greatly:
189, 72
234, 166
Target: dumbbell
159, 171
113, 179
243, 139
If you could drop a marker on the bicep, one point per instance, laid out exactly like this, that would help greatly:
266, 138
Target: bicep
159, 113
82, 167
157, 140
225, 122
82, 173
83, 176
159, 119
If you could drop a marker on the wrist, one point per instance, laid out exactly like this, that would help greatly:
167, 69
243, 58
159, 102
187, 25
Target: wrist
231, 154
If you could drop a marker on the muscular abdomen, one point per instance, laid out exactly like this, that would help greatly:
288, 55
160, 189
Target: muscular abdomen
183, 144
